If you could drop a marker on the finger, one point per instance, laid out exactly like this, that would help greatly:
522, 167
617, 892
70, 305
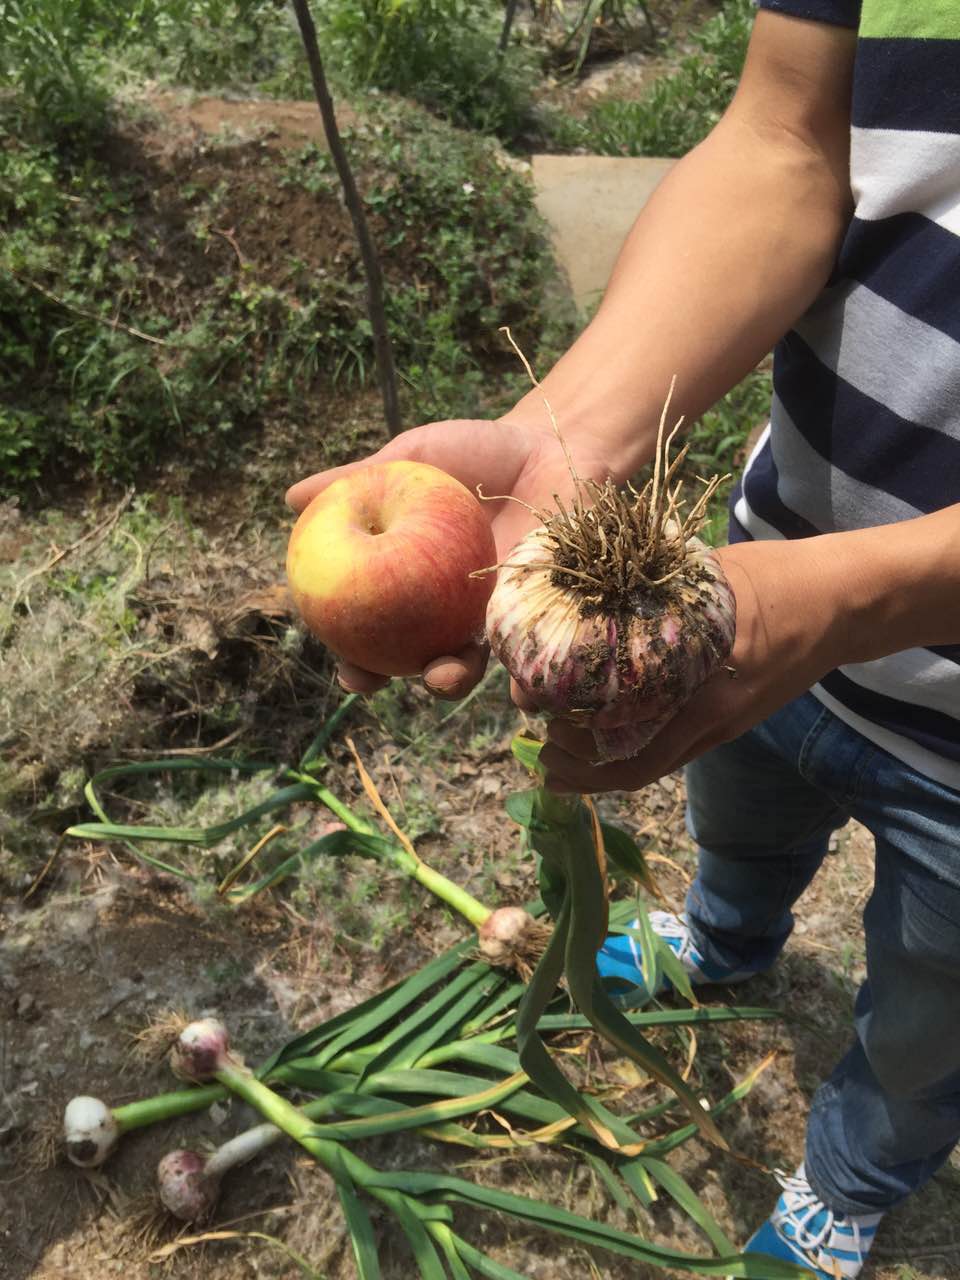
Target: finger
454, 676
521, 698
565, 773
709, 718
356, 680
573, 739
301, 494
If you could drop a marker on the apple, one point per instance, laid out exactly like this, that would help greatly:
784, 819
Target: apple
379, 566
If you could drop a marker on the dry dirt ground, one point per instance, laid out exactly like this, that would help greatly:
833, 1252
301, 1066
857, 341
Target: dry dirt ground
104, 943
85, 965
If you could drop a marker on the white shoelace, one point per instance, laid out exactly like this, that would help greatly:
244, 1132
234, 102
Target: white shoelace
801, 1206
667, 924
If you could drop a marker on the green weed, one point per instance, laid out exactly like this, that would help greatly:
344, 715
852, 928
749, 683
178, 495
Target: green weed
65, 57
50, 53
116, 354
718, 443
441, 53
679, 109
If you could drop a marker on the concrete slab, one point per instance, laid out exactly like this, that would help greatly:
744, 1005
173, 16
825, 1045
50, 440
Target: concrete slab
590, 203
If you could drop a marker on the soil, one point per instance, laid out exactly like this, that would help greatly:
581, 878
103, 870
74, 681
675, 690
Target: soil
283, 123
86, 961
177, 151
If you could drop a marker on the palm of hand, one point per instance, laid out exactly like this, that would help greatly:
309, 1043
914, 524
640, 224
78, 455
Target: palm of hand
517, 468
780, 651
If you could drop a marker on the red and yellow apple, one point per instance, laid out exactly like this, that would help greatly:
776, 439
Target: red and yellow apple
379, 566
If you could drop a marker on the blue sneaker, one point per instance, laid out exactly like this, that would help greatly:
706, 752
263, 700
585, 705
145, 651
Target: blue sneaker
620, 964
802, 1229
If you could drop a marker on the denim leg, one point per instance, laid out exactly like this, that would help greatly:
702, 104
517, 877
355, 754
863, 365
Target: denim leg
889, 1116
762, 830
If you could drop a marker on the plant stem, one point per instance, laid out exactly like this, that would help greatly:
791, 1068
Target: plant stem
182, 1102
244, 1146
241, 1148
556, 809
295, 1123
371, 262
443, 888
411, 864
344, 813
165, 1106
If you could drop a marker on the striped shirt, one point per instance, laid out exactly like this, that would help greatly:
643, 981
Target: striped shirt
865, 422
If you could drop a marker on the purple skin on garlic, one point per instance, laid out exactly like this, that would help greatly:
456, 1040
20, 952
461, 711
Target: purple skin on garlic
200, 1050
625, 674
186, 1189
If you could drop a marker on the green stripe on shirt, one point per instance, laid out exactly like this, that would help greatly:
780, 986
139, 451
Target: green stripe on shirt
913, 19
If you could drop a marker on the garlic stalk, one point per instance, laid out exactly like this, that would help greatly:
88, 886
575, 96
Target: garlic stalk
508, 937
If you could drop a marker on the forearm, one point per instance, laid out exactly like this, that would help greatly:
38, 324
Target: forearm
731, 249
823, 602
898, 584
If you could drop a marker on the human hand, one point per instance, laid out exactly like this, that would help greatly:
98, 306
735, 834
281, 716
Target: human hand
507, 460
792, 628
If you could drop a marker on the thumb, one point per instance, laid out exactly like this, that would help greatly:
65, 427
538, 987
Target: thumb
453, 677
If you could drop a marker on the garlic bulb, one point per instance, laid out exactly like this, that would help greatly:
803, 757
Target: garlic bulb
613, 614
186, 1189
511, 938
90, 1131
200, 1050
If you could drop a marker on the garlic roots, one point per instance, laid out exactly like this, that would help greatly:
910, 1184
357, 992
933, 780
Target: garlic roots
613, 613
511, 938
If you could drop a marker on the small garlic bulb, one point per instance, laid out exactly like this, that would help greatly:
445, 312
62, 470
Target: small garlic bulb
186, 1190
503, 932
90, 1131
200, 1050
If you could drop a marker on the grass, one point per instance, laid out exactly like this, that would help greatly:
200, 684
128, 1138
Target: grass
65, 59
124, 631
717, 443
118, 352
679, 109
441, 53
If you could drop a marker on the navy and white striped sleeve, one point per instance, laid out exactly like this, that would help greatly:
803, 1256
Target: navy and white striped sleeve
841, 13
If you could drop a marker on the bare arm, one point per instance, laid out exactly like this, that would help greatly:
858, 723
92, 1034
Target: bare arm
732, 248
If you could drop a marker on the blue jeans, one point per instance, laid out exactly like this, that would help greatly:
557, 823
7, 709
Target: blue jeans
762, 809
